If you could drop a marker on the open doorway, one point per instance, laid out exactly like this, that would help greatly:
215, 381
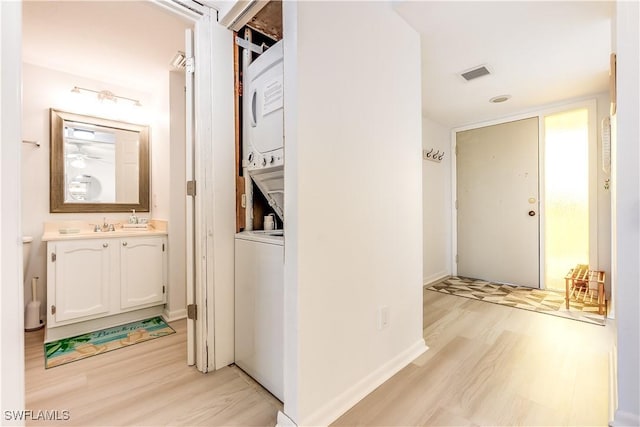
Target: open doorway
98, 46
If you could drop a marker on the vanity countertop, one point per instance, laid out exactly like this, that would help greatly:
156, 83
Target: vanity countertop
76, 230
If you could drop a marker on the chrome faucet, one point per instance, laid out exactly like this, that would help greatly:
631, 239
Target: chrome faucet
97, 228
106, 226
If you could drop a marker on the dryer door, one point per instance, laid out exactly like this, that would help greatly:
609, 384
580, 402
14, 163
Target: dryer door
266, 100
271, 184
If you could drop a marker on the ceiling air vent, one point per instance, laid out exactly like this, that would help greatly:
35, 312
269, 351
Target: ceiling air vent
474, 73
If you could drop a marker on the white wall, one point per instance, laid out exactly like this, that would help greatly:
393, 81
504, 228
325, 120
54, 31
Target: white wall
436, 203
353, 234
11, 317
626, 214
158, 117
43, 89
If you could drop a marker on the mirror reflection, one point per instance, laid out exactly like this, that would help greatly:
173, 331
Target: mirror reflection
98, 165
101, 164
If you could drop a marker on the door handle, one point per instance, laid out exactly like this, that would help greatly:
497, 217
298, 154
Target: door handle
532, 213
254, 107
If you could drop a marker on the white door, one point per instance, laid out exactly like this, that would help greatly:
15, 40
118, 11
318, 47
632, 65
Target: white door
198, 109
190, 203
497, 199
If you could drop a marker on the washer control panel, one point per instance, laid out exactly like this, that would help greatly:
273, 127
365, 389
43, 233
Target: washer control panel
262, 161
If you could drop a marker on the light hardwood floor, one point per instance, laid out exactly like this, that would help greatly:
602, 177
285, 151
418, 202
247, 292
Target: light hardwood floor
487, 365
495, 365
147, 384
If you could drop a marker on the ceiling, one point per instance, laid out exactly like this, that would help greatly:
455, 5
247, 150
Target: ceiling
125, 43
539, 52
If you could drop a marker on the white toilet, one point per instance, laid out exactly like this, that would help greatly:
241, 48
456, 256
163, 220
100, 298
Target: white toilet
32, 320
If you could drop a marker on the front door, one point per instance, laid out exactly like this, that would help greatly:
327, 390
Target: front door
497, 203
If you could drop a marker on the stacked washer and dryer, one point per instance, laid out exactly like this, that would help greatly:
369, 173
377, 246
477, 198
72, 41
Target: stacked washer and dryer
259, 254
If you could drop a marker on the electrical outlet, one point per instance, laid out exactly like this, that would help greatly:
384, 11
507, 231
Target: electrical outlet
383, 317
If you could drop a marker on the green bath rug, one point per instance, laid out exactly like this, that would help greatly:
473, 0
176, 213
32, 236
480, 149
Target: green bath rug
69, 350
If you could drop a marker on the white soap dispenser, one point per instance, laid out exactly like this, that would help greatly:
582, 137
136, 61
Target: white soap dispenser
133, 219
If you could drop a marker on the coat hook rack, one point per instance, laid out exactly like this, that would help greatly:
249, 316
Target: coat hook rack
434, 157
36, 143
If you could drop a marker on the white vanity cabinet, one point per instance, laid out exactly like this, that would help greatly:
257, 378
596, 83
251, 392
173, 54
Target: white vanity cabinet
142, 272
82, 273
98, 282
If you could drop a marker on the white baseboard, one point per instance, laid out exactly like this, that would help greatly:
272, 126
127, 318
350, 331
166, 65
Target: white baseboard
611, 309
170, 316
435, 278
626, 419
617, 417
342, 403
284, 421
613, 384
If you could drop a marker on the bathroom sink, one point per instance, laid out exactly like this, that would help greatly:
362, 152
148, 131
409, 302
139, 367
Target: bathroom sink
75, 230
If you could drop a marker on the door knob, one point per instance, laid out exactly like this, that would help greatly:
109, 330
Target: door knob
532, 213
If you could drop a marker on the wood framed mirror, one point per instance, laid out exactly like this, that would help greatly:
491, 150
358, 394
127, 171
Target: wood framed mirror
97, 165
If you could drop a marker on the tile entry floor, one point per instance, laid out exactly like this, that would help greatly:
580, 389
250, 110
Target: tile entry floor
538, 300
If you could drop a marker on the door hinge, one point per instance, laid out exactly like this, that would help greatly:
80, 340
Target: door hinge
191, 188
163, 247
163, 289
53, 309
53, 257
192, 312
190, 65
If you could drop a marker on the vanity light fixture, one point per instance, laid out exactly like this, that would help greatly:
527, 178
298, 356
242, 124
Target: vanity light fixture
106, 95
